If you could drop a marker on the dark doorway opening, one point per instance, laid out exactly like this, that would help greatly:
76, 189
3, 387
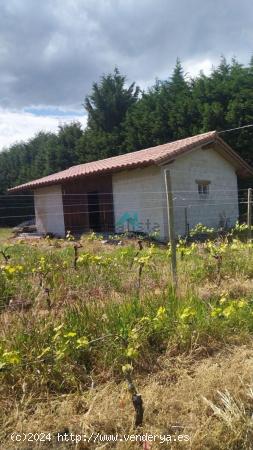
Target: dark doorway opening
94, 211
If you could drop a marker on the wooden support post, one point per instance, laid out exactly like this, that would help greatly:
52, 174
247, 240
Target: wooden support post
249, 215
186, 222
170, 211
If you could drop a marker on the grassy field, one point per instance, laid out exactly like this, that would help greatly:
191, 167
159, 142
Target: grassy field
5, 234
82, 324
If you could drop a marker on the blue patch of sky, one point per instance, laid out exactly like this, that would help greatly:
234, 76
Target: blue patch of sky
55, 112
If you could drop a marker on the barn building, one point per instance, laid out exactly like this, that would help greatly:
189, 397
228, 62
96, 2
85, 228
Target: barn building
127, 192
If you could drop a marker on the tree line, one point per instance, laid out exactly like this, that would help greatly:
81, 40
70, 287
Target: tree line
123, 118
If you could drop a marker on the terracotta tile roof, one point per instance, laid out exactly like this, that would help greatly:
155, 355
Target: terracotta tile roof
153, 155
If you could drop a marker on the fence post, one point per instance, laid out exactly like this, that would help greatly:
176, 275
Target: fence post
186, 221
249, 215
170, 212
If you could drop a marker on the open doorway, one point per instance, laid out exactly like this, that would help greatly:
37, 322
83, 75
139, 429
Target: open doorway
94, 211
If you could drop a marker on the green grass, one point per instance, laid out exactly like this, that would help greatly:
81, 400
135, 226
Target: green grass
5, 233
65, 323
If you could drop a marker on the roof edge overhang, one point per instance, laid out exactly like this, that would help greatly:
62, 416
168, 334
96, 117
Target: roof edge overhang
33, 186
243, 169
169, 160
215, 142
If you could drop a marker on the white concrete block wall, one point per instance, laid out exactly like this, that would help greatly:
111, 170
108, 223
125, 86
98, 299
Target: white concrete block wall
139, 200
222, 200
49, 210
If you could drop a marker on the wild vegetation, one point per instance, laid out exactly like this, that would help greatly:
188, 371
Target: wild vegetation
123, 119
79, 319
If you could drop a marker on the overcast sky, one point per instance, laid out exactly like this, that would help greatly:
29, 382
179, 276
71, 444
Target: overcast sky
52, 50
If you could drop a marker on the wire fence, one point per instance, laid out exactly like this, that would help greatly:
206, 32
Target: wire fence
211, 209
122, 192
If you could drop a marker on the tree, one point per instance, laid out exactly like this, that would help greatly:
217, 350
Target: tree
67, 152
145, 125
163, 114
107, 106
178, 93
109, 102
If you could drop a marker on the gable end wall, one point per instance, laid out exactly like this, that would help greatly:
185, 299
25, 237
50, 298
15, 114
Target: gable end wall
221, 203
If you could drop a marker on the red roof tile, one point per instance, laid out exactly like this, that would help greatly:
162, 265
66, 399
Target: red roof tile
153, 155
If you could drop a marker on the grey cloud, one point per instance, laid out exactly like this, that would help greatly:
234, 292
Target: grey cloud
52, 51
